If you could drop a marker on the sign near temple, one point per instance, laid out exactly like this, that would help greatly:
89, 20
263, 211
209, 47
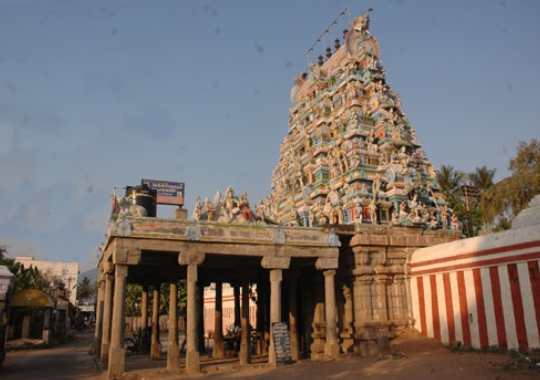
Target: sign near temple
168, 193
282, 343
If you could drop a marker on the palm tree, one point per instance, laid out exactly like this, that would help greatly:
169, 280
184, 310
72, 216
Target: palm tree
482, 180
449, 181
85, 290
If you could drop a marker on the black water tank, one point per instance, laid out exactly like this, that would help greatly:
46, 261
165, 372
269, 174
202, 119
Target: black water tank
141, 195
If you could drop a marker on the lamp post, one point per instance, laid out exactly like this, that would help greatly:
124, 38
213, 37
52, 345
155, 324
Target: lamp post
469, 191
136, 307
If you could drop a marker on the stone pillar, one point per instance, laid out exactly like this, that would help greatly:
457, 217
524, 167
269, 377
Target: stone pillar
331, 344
107, 317
263, 325
398, 299
307, 315
347, 330
200, 318
116, 351
382, 280
236, 291
192, 355
192, 259
276, 266
154, 348
408, 295
397, 304
47, 318
144, 308
362, 316
218, 322
293, 317
173, 352
245, 351
318, 321
276, 277
331, 348
98, 328
26, 327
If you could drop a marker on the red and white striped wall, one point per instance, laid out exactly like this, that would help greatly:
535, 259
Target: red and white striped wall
483, 291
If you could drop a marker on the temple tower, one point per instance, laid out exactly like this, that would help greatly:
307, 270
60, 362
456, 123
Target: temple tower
351, 156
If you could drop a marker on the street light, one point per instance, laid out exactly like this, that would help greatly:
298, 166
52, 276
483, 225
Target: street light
469, 191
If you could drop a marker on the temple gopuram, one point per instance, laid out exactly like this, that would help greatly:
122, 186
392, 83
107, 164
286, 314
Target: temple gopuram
351, 155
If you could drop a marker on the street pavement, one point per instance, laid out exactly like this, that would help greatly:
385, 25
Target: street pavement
66, 361
420, 358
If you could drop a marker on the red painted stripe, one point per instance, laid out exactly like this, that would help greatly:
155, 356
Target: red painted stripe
491, 251
481, 308
421, 305
498, 307
482, 263
449, 308
435, 308
517, 302
534, 277
464, 310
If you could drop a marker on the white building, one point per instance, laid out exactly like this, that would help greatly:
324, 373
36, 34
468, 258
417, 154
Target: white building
63, 275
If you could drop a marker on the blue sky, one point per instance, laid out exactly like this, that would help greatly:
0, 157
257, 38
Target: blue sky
95, 95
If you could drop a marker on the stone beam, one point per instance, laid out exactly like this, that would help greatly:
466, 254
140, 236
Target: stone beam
403, 237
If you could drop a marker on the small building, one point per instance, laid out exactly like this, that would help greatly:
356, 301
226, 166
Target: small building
63, 275
30, 316
7, 280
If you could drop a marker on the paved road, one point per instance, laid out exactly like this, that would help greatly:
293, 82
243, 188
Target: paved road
68, 361
424, 359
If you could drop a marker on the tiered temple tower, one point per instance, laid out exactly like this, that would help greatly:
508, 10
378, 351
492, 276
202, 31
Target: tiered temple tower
350, 155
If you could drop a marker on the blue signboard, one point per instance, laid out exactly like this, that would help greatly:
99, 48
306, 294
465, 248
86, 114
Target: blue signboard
168, 193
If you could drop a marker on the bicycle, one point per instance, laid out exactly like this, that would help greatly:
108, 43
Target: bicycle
140, 343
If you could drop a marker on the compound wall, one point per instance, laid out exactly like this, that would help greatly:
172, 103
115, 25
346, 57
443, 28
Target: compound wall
481, 292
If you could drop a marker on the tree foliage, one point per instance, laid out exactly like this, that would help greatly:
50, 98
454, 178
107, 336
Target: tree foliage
491, 205
514, 193
449, 180
482, 180
25, 278
85, 289
134, 298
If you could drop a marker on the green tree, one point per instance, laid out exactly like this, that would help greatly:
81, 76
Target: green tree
85, 289
511, 195
133, 299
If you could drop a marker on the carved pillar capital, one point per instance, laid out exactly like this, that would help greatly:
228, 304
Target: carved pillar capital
191, 257
121, 271
270, 262
108, 267
276, 275
324, 263
126, 255
329, 273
